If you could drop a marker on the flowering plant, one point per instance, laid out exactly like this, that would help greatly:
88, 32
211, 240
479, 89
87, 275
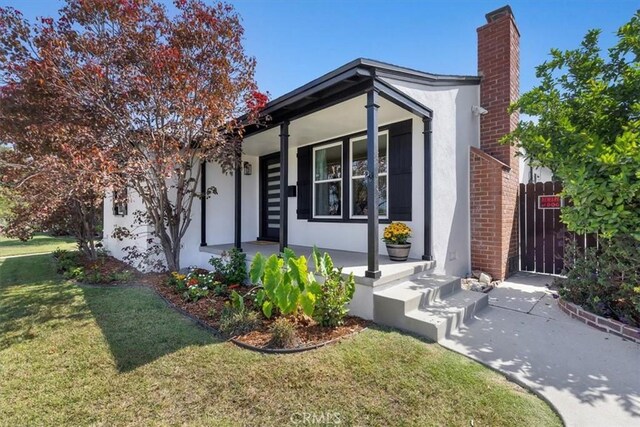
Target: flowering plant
397, 233
195, 284
195, 292
178, 282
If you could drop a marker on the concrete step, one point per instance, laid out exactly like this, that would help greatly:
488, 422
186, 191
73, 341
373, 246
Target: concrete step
392, 274
442, 317
429, 305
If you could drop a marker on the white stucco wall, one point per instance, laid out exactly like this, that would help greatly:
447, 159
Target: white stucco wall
221, 213
111, 222
220, 216
455, 129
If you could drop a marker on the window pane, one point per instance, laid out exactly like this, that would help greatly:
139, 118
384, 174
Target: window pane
328, 163
359, 156
328, 196
359, 196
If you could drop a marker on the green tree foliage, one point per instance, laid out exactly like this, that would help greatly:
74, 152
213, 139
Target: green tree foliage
587, 131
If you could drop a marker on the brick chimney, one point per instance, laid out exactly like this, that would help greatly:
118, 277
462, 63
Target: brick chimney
494, 167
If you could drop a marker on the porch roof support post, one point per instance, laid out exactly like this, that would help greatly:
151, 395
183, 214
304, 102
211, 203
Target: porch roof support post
237, 174
284, 182
427, 255
373, 267
203, 203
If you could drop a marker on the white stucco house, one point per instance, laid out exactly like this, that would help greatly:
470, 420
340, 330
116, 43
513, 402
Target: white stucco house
308, 176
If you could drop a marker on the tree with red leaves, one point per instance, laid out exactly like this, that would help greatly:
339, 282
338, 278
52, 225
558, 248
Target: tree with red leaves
152, 95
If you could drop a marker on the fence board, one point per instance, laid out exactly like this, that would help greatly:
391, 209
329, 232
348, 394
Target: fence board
542, 235
539, 223
530, 227
549, 232
522, 225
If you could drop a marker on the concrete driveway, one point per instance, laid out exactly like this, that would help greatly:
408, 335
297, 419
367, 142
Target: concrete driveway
591, 377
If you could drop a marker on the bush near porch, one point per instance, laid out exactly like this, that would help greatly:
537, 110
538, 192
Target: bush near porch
119, 356
605, 281
584, 127
282, 295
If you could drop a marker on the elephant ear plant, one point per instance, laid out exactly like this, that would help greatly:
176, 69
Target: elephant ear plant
285, 284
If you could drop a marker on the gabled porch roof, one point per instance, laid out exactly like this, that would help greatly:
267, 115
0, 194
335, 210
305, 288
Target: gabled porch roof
359, 77
350, 80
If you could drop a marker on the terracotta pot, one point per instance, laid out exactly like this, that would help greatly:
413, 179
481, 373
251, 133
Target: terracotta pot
398, 252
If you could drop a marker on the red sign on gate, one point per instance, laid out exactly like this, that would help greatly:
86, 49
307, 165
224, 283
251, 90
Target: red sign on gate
550, 202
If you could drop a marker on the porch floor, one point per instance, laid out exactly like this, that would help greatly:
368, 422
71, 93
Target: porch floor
352, 262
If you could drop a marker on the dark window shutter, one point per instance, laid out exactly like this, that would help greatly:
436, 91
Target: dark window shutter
304, 183
400, 171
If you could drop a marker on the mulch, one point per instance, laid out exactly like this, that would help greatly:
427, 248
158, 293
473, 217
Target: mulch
308, 335
208, 310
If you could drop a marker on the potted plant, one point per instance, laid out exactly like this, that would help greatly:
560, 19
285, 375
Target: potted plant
396, 236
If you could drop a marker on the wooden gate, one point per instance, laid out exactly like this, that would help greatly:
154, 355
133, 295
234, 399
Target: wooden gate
542, 235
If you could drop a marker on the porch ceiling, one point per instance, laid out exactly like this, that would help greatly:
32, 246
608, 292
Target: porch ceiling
340, 119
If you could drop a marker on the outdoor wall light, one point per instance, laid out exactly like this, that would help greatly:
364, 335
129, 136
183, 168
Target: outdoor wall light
247, 168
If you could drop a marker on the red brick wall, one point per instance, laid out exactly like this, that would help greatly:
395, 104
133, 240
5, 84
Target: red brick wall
494, 168
488, 176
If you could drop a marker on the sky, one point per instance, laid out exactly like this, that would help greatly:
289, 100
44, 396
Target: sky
295, 41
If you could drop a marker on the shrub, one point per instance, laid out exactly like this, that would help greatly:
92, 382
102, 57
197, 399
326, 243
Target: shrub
59, 253
606, 282
283, 334
195, 284
231, 267
178, 282
235, 322
94, 276
195, 292
76, 273
121, 276
65, 260
285, 284
336, 292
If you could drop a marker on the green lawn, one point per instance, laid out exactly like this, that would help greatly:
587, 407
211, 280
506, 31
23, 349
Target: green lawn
40, 243
73, 355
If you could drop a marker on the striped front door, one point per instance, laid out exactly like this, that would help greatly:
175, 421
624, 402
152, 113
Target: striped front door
270, 197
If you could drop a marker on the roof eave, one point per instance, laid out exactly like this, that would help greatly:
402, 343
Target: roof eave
368, 67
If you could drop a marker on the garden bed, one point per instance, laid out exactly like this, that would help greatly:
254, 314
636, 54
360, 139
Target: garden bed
279, 317
309, 336
105, 270
208, 310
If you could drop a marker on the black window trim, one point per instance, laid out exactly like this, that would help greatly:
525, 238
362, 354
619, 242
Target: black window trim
346, 147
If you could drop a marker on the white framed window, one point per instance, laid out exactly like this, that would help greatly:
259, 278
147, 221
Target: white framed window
327, 181
357, 180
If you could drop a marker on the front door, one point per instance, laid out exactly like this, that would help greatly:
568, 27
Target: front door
270, 197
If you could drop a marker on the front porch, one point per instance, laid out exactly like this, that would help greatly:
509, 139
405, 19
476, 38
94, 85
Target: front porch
329, 169
352, 262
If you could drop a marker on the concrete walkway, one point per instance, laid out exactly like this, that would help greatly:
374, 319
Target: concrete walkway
591, 377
